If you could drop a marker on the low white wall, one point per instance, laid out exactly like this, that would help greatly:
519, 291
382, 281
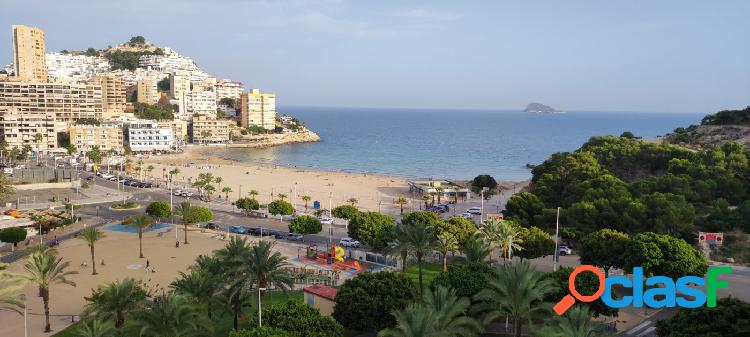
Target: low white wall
26, 187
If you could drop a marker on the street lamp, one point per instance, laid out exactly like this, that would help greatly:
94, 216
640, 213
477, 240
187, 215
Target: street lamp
260, 308
557, 228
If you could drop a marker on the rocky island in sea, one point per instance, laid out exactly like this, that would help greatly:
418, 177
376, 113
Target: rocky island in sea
539, 108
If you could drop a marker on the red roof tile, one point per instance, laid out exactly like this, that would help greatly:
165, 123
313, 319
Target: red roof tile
322, 291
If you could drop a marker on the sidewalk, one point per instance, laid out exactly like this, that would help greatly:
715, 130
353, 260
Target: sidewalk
93, 195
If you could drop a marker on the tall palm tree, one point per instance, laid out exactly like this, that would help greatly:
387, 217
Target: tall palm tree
11, 293
44, 270
95, 328
501, 234
199, 284
421, 240
237, 297
452, 312
91, 235
426, 198
150, 169
233, 255
266, 269
439, 190
401, 201
446, 243
141, 222
281, 196
226, 190
456, 189
306, 199
218, 181
116, 301
576, 322
433, 194
171, 315
416, 320
475, 249
517, 291
253, 194
173, 173
399, 246
183, 211
210, 189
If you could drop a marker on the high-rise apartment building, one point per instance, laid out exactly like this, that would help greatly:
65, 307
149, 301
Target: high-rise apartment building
208, 130
36, 130
147, 90
179, 86
201, 102
258, 109
66, 101
113, 95
107, 135
29, 58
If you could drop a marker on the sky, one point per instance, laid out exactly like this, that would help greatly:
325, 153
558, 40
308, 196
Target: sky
637, 55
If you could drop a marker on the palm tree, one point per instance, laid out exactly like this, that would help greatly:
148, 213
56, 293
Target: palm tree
95, 328
11, 293
517, 291
253, 194
421, 239
149, 169
183, 210
226, 190
439, 190
238, 298
474, 249
210, 189
306, 199
141, 222
452, 312
353, 201
576, 322
171, 315
38, 139
401, 201
456, 189
433, 194
446, 243
233, 255
218, 181
265, 269
281, 196
502, 234
44, 270
116, 301
426, 198
399, 246
173, 173
416, 320
91, 235
201, 285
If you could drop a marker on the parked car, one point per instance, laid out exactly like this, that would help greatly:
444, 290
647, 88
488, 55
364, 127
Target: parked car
436, 209
443, 207
213, 226
253, 230
238, 230
294, 237
349, 242
565, 250
326, 221
474, 210
90, 178
279, 234
467, 215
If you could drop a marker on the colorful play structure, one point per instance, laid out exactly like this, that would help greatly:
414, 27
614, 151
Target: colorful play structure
333, 259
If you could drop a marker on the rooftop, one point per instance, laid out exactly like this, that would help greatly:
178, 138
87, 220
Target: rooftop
321, 291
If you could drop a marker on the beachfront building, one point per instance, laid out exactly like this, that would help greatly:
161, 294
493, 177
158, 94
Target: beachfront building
66, 101
38, 130
447, 190
147, 136
201, 102
228, 89
107, 135
258, 109
209, 130
113, 94
29, 58
147, 90
179, 130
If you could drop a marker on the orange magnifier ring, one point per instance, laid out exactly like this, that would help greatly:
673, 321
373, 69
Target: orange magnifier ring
568, 301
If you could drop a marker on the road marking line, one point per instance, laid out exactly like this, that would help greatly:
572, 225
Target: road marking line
647, 331
638, 327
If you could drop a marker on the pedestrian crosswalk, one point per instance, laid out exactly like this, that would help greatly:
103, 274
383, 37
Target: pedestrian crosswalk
645, 329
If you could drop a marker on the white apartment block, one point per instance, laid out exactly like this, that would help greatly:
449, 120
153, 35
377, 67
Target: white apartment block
171, 61
19, 129
66, 101
228, 89
147, 136
201, 102
74, 68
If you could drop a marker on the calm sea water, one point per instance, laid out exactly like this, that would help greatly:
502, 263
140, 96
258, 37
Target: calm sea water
454, 144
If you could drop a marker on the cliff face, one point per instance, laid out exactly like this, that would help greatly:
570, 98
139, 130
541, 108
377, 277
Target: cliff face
259, 141
709, 136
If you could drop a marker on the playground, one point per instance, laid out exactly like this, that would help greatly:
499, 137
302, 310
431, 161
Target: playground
333, 259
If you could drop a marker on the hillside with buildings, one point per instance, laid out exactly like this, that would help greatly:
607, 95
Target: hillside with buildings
134, 97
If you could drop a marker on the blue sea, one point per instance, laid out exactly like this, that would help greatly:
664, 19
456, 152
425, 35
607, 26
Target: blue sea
451, 144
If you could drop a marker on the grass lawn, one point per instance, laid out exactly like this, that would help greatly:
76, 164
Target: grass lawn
429, 272
223, 320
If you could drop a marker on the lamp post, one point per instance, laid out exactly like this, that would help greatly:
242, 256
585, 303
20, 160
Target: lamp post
260, 308
557, 228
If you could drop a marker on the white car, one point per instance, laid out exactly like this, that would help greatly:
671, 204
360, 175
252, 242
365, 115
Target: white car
474, 210
565, 250
326, 221
467, 215
349, 242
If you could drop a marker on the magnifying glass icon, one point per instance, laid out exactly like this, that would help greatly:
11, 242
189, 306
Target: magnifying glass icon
566, 302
